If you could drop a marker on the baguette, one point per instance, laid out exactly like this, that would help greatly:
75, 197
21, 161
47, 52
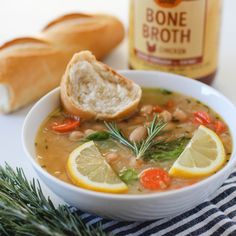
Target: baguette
92, 90
31, 67
75, 32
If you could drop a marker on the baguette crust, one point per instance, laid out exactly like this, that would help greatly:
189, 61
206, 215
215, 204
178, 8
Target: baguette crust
75, 32
64, 18
31, 67
71, 88
20, 41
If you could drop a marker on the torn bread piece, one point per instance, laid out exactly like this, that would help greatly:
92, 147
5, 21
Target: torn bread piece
92, 90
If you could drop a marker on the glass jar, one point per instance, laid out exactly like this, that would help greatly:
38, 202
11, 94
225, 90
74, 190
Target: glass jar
177, 36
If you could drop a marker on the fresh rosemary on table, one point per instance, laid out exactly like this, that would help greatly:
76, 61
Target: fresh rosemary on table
24, 210
139, 149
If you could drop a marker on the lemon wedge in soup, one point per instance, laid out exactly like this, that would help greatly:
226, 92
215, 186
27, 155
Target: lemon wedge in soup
204, 155
87, 168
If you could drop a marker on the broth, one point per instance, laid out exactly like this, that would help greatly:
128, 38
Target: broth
53, 149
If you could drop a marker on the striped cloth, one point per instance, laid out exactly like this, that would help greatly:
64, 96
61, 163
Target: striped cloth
216, 216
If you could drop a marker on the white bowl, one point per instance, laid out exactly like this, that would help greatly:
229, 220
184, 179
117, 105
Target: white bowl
136, 207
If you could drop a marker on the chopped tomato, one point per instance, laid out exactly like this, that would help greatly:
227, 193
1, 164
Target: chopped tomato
155, 178
157, 108
219, 126
202, 117
66, 126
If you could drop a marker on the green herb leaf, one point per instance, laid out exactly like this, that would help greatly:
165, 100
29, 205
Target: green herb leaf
98, 136
166, 150
128, 175
166, 92
24, 210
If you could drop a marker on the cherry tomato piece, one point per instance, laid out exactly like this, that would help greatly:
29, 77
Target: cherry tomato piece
202, 117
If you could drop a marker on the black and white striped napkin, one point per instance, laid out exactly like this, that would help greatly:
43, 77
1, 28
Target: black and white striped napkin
216, 216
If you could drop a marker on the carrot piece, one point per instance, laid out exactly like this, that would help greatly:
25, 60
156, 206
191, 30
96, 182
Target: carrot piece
219, 126
66, 126
202, 117
157, 108
155, 178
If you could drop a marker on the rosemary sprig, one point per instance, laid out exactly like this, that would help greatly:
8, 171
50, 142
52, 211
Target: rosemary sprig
138, 149
117, 134
153, 130
24, 210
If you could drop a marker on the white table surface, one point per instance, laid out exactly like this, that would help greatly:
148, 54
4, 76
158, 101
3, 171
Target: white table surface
27, 17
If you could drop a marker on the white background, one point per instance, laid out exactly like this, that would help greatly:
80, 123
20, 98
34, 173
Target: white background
27, 17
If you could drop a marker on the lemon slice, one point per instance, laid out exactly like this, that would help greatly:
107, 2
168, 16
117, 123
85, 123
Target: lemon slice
204, 155
87, 168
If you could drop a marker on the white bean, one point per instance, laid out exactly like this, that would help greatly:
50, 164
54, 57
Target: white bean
146, 109
166, 116
76, 135
180, 115
138, 134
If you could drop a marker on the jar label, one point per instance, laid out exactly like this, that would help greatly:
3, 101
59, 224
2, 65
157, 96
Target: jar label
167, 33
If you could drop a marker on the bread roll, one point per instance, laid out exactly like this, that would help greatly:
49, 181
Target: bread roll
75, 32
31, 67
92, 90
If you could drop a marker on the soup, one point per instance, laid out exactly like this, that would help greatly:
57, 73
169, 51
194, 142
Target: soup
145, 169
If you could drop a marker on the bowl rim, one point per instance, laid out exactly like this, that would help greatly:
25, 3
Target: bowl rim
78, 189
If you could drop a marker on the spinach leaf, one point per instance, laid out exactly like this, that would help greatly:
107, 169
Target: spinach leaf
128, 175
99, 135
166, 150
